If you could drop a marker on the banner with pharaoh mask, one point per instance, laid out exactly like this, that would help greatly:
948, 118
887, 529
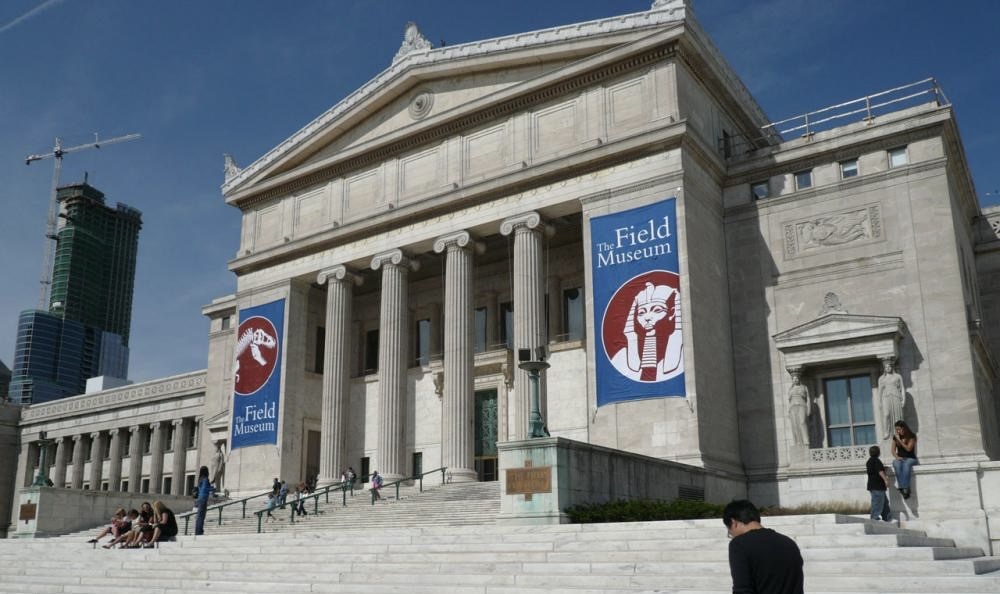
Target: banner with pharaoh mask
637, 304
257, 375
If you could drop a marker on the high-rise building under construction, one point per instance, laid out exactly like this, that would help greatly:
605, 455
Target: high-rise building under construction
85, 331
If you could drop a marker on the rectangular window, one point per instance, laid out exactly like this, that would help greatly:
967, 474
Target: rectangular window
848, 168
170, 440
225, 323
145, 485
189, 484
573, 313
760, 190
318, 360
147, 443
193, 436
479, 322
507, 324
898, 157
371, 351
804, 179
365, 469
126, 443
104, 486
168, 483
422, 343
850, 418
124, 488
418, 463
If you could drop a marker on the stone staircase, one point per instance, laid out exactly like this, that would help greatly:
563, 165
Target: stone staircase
424, 544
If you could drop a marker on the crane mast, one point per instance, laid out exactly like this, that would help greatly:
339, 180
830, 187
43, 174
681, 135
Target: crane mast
49, 251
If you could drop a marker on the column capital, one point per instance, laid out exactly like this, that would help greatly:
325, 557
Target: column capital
396, 258
134, 429
529, 221
113, 432
77, 437
154, 425
460, 240
95, 435
177, 422
794, 371
338, 273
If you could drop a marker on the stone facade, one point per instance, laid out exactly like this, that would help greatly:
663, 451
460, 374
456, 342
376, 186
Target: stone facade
438, 219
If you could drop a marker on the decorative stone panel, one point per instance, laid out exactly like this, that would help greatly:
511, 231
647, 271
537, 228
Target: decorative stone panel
831, 231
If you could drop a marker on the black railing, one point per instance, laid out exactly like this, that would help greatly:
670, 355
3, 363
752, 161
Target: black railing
416, 477
220, 507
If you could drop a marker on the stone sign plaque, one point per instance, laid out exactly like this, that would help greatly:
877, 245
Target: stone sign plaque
28, 511
525, 481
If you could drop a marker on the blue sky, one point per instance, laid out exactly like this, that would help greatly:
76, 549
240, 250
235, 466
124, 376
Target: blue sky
198, 79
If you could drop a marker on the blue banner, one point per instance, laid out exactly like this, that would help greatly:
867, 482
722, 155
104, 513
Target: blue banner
257, 375
637, 304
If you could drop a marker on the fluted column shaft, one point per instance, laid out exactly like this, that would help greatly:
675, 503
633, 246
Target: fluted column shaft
96, 460
336, 371
59, 464
78, 462
393, 354
156, 457
135, 459
529, 309
115, 460
31, 457
457, 427
180, 457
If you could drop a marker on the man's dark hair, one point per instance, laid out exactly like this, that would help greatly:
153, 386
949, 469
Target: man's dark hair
874, 452
741, 510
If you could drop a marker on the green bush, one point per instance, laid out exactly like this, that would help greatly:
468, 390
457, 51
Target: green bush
642, 511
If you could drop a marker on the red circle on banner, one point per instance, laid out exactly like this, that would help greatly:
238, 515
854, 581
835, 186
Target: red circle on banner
256, 355
622, 311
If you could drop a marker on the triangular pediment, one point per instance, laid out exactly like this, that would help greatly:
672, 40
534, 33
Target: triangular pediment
839, 327
459, 80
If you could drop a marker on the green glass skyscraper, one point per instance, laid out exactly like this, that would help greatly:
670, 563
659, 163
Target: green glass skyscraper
85, 331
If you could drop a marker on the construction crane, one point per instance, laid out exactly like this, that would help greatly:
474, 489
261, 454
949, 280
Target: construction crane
49, 251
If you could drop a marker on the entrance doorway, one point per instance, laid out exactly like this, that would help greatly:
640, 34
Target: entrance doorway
312, 456
486, 435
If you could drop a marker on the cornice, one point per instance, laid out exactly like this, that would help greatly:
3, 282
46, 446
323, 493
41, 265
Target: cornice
166, 388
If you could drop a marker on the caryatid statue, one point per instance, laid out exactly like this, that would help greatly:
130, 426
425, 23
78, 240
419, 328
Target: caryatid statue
890, 397
798, 409
218, 466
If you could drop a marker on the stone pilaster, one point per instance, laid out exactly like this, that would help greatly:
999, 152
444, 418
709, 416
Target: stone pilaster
59, 463
529, 309
180, 457
457, 424
156, 458
115, 460
336, 371
79, 459
135, 459
96, 460
393, 356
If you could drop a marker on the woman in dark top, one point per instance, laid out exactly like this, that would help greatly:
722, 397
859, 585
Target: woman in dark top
904, 453
166, 523
201, 501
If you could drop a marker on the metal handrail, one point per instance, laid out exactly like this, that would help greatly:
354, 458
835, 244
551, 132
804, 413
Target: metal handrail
343, 487
419, 477
220, 507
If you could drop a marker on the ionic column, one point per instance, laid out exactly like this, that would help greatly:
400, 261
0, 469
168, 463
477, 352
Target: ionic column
29, 463
59, 463
156, 457
336, 371
115, 462
78, 462
457, 426
96, 460
529, 308
180, 457
392, 362
135, 459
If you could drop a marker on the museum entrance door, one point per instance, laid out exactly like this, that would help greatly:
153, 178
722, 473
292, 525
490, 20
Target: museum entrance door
486, 435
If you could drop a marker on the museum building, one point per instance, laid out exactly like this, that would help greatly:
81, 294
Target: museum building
758, 300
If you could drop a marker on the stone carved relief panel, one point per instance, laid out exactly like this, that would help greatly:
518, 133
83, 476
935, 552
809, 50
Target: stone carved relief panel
268, 225
818, 234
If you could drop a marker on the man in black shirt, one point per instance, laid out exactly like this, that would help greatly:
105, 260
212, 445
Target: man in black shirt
877, 483
761, 560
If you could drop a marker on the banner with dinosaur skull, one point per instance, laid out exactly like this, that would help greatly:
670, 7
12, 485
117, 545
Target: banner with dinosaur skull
637, 304
257, 375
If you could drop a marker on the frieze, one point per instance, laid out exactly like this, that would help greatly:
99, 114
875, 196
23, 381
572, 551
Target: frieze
818, 234
123, 395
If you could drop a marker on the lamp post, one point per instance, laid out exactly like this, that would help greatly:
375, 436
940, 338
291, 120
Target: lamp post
536, 425
41, 478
